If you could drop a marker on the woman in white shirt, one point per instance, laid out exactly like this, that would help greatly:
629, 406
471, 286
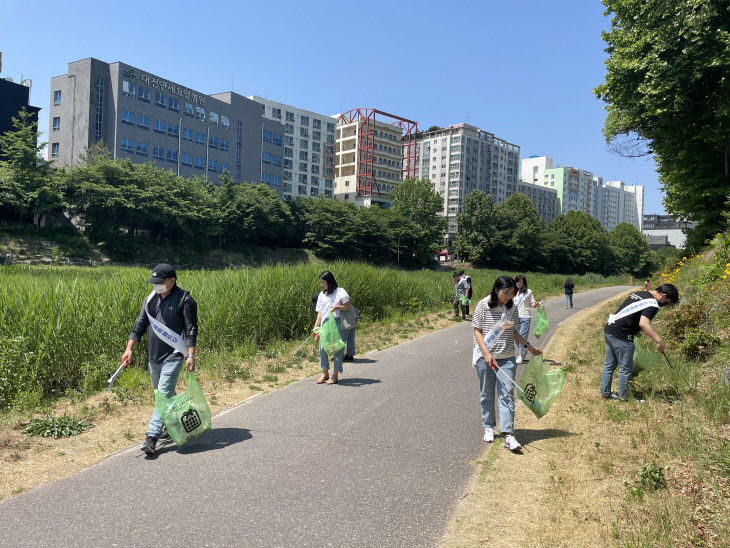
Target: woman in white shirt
330, 302
524, 299
493, 357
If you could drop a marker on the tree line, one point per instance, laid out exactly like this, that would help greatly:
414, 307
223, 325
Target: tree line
121, 206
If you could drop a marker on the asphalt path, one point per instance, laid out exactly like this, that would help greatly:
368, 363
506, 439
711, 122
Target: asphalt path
381, 459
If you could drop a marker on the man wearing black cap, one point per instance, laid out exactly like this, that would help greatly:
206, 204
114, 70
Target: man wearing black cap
173, 315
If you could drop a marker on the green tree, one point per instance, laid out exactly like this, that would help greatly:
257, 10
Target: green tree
666, 89
631, 251
329, 227
27, 189
477, 240
518, 226
587, 243
417, 201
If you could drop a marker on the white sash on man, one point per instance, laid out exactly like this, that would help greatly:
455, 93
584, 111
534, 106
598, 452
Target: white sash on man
632, 309
490, 338
164, 333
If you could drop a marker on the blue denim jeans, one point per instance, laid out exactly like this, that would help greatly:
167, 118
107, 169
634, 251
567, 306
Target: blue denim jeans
505, 393
569, 300
337, 358
350, 348
164, 378
523, 328
619, 352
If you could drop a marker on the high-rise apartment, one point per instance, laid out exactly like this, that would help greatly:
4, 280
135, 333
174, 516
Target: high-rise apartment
146, 118
461, 158
374, 152
309, 147
621, 204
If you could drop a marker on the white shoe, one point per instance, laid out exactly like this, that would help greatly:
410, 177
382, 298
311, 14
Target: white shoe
519, 359
511, 443
525, 357
489, 434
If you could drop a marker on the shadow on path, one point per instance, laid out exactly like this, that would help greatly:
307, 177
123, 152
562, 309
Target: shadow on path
217, 438
364, 360
357, 381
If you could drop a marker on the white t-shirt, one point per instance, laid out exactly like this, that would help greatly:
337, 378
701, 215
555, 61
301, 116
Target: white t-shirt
324, 301
524, 301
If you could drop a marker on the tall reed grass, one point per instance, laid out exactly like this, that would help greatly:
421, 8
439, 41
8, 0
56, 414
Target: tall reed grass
64, 328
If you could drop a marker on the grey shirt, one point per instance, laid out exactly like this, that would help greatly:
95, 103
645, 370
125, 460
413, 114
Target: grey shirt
166, 311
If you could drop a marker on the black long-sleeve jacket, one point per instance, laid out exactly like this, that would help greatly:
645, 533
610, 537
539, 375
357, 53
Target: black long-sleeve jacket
179, 312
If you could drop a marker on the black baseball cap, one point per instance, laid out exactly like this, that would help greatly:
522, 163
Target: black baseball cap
162, 272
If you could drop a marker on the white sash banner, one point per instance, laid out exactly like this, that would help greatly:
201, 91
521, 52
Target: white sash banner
522, 297
490, 338
165, 334
632, 309
329, 306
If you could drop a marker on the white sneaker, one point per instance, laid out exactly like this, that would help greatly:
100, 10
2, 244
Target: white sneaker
519, 359
511, 443
489, 435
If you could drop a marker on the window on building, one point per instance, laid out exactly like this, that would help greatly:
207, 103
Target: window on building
173, 129
55, 150
275, 181
199, 162
213, 141
304, 120
213, 117
200, 138
289, 116
290, 129
143, 121
265, 157
56, 123
159, 126
303, 178
288, 152
142, 148
304, 144
276, 113
224, 167
225, 121
188, 134
317, 135
57, 97
316, 147
200, 113
266, 136
302, 189
143, 94
158, 152
186, 159
303, 166
173, 104
128, 88
172, 155
224, 145
213, 166
303, 132
277, 139
127, 116
188, 109
330, 127
160, 99
276, 159
127, 145
303, 155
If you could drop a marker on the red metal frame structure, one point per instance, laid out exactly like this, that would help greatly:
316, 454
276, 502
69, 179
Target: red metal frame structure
366, 145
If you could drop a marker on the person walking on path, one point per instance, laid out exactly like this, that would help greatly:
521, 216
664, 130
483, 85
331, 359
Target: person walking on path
493, 356
634, 315
173, 315
459, 292
524, 300
468, 292
568, 285
330, 302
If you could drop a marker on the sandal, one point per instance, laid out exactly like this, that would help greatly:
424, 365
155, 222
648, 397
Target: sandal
333, 380
323, 378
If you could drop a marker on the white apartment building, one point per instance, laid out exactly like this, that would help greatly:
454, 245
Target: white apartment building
309, 143
461, 158
371, 156
580, 190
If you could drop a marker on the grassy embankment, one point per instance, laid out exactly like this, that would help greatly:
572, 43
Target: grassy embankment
62, 331
651, 472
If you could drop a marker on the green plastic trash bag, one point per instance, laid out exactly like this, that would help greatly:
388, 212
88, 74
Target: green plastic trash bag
643, 359
329, 337
186, 415
541, 322
464, 300
541, 386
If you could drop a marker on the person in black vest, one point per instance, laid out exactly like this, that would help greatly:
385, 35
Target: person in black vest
634, 315
176, 310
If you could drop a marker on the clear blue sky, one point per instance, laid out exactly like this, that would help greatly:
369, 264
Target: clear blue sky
523, 69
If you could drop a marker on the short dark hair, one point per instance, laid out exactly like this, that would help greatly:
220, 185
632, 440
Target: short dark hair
503, 282
328, 277
521, 278
670, 291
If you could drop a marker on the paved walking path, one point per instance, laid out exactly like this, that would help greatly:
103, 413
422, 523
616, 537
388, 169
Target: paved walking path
381, 459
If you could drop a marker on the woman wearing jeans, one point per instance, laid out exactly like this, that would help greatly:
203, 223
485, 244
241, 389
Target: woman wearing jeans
330, 302
524, 299
568, 285
494, 358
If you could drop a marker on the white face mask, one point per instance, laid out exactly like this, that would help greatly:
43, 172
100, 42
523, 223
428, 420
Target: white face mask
160, 288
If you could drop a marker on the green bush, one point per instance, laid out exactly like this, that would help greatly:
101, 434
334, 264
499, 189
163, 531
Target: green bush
56, 427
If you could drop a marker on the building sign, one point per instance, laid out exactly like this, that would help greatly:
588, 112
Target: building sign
164, 85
